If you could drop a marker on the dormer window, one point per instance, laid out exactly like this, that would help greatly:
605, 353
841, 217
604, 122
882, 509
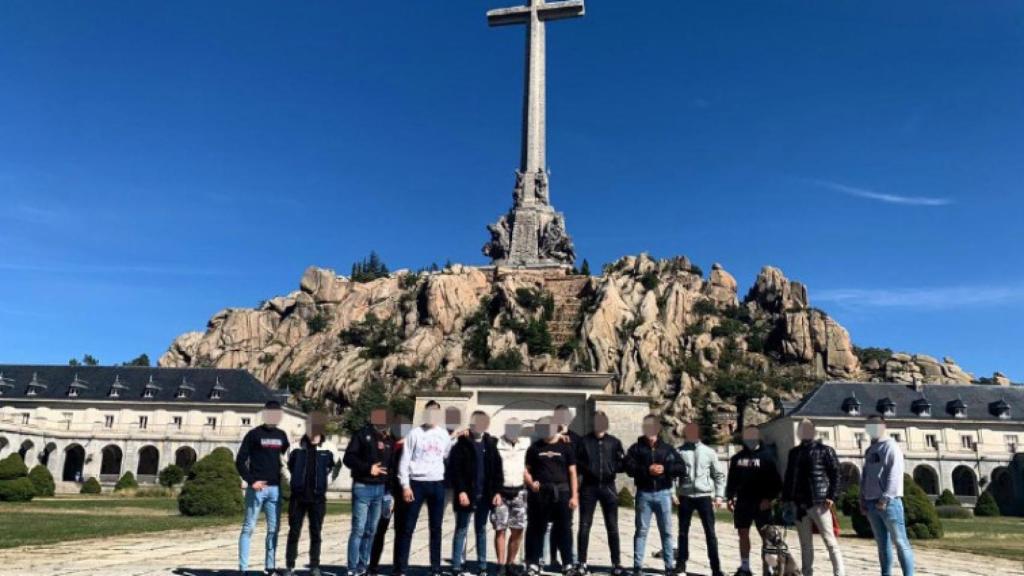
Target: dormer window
922, 407
957, 408
185, 390
5, 383
886, 407
151, 388
215, 392
117, 387
851, 406
76, 386
35, 386
1000, 409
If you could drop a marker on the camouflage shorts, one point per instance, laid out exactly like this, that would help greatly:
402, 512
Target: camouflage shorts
511, 513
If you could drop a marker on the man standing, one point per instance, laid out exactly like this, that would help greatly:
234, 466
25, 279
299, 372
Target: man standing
368, 455
259, 463
752, 486
600, 459
310, 467
394, 505
701, 491
475, 474
421, 474
563, 418
509, 516
551, 478
654, 465
881, 495
812, 482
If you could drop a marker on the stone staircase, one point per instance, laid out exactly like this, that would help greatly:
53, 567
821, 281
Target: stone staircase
568, 294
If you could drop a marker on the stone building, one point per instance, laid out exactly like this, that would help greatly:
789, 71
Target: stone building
965, 438
103, 421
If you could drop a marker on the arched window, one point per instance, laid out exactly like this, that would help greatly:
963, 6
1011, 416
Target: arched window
927, 478
149, 461
110, 464
27, 451
965, 483
74, 461
184, 458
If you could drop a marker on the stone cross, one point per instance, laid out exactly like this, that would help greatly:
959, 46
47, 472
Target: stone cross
532, 185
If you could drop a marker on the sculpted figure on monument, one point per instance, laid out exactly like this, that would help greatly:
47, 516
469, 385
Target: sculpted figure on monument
540, 186
501, 234
555, 244
517, 192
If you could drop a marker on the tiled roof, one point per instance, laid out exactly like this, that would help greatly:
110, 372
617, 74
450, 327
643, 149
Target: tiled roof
131, 384
979, 402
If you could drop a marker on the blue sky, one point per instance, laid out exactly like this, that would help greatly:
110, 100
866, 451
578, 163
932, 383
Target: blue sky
161, 161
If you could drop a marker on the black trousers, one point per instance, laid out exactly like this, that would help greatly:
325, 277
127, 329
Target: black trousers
398, 513
297, 510
608, 498
543, 509
705, 509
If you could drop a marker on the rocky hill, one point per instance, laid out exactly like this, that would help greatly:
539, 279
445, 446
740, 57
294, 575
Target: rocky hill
661, 326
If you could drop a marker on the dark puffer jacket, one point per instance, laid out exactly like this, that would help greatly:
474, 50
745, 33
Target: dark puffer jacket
599, 460
812, 474
640, 458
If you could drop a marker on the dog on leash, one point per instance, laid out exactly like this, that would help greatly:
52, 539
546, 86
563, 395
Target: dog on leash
775, 553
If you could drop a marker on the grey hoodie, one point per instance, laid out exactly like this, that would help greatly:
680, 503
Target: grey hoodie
703, 476
882, 477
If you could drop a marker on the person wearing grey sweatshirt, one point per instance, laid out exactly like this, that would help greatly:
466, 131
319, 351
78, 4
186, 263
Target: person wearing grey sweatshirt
881, 497
701, 490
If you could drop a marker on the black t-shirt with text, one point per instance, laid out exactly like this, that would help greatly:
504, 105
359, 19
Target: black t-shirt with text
549, 463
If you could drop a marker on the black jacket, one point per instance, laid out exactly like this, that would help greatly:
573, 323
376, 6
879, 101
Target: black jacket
642, 455
599, 460
812, 474
366, 448
322, 456
753, 476
461, 469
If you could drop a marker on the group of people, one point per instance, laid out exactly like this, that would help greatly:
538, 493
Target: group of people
530, 488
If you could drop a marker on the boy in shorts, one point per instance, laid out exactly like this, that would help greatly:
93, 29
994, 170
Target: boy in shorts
509, 517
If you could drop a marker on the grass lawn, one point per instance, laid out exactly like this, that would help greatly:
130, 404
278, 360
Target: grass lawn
49, 520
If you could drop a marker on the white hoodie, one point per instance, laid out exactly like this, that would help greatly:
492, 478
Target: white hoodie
423, 455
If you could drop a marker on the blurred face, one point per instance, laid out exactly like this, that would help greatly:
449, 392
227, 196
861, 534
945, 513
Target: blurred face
875, 429
692, 432
545, 429
479, 424
400, 426
806, 431
452, 420
751, 438
379, 419
432, 416
513, 429
316, 425
600, 423
272, 416
651, 427
562, 418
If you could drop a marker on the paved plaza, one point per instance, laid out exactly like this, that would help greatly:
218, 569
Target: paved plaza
212, 552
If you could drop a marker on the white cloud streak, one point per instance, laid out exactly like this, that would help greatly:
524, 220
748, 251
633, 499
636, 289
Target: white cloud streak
943, 297
925, 201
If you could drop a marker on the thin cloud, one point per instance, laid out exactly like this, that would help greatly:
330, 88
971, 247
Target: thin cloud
943, 297
883, 197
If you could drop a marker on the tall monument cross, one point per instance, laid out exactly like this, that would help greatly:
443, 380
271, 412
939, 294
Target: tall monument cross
533, 157
532, 233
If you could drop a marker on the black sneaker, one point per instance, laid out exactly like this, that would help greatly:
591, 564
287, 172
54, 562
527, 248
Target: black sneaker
582, 569
743, 572
533, 570
315, 571
638, 572
618, 571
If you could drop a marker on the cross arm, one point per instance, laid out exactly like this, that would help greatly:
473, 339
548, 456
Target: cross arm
508, 16
561, 10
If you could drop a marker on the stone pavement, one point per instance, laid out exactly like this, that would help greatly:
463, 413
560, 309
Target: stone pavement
212, 552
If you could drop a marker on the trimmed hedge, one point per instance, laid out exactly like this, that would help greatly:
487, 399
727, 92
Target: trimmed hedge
957, 512
42, 481
171, 475
947, 499
213, 487
15, 485
17, 490
126, 482
626, 498
849, 504
986, 505
921, 517
91, 486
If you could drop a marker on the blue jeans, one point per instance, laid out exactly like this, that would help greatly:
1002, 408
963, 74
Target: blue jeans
431, 493
268, 501
367, 502
480, 512
890, 527
660, 505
